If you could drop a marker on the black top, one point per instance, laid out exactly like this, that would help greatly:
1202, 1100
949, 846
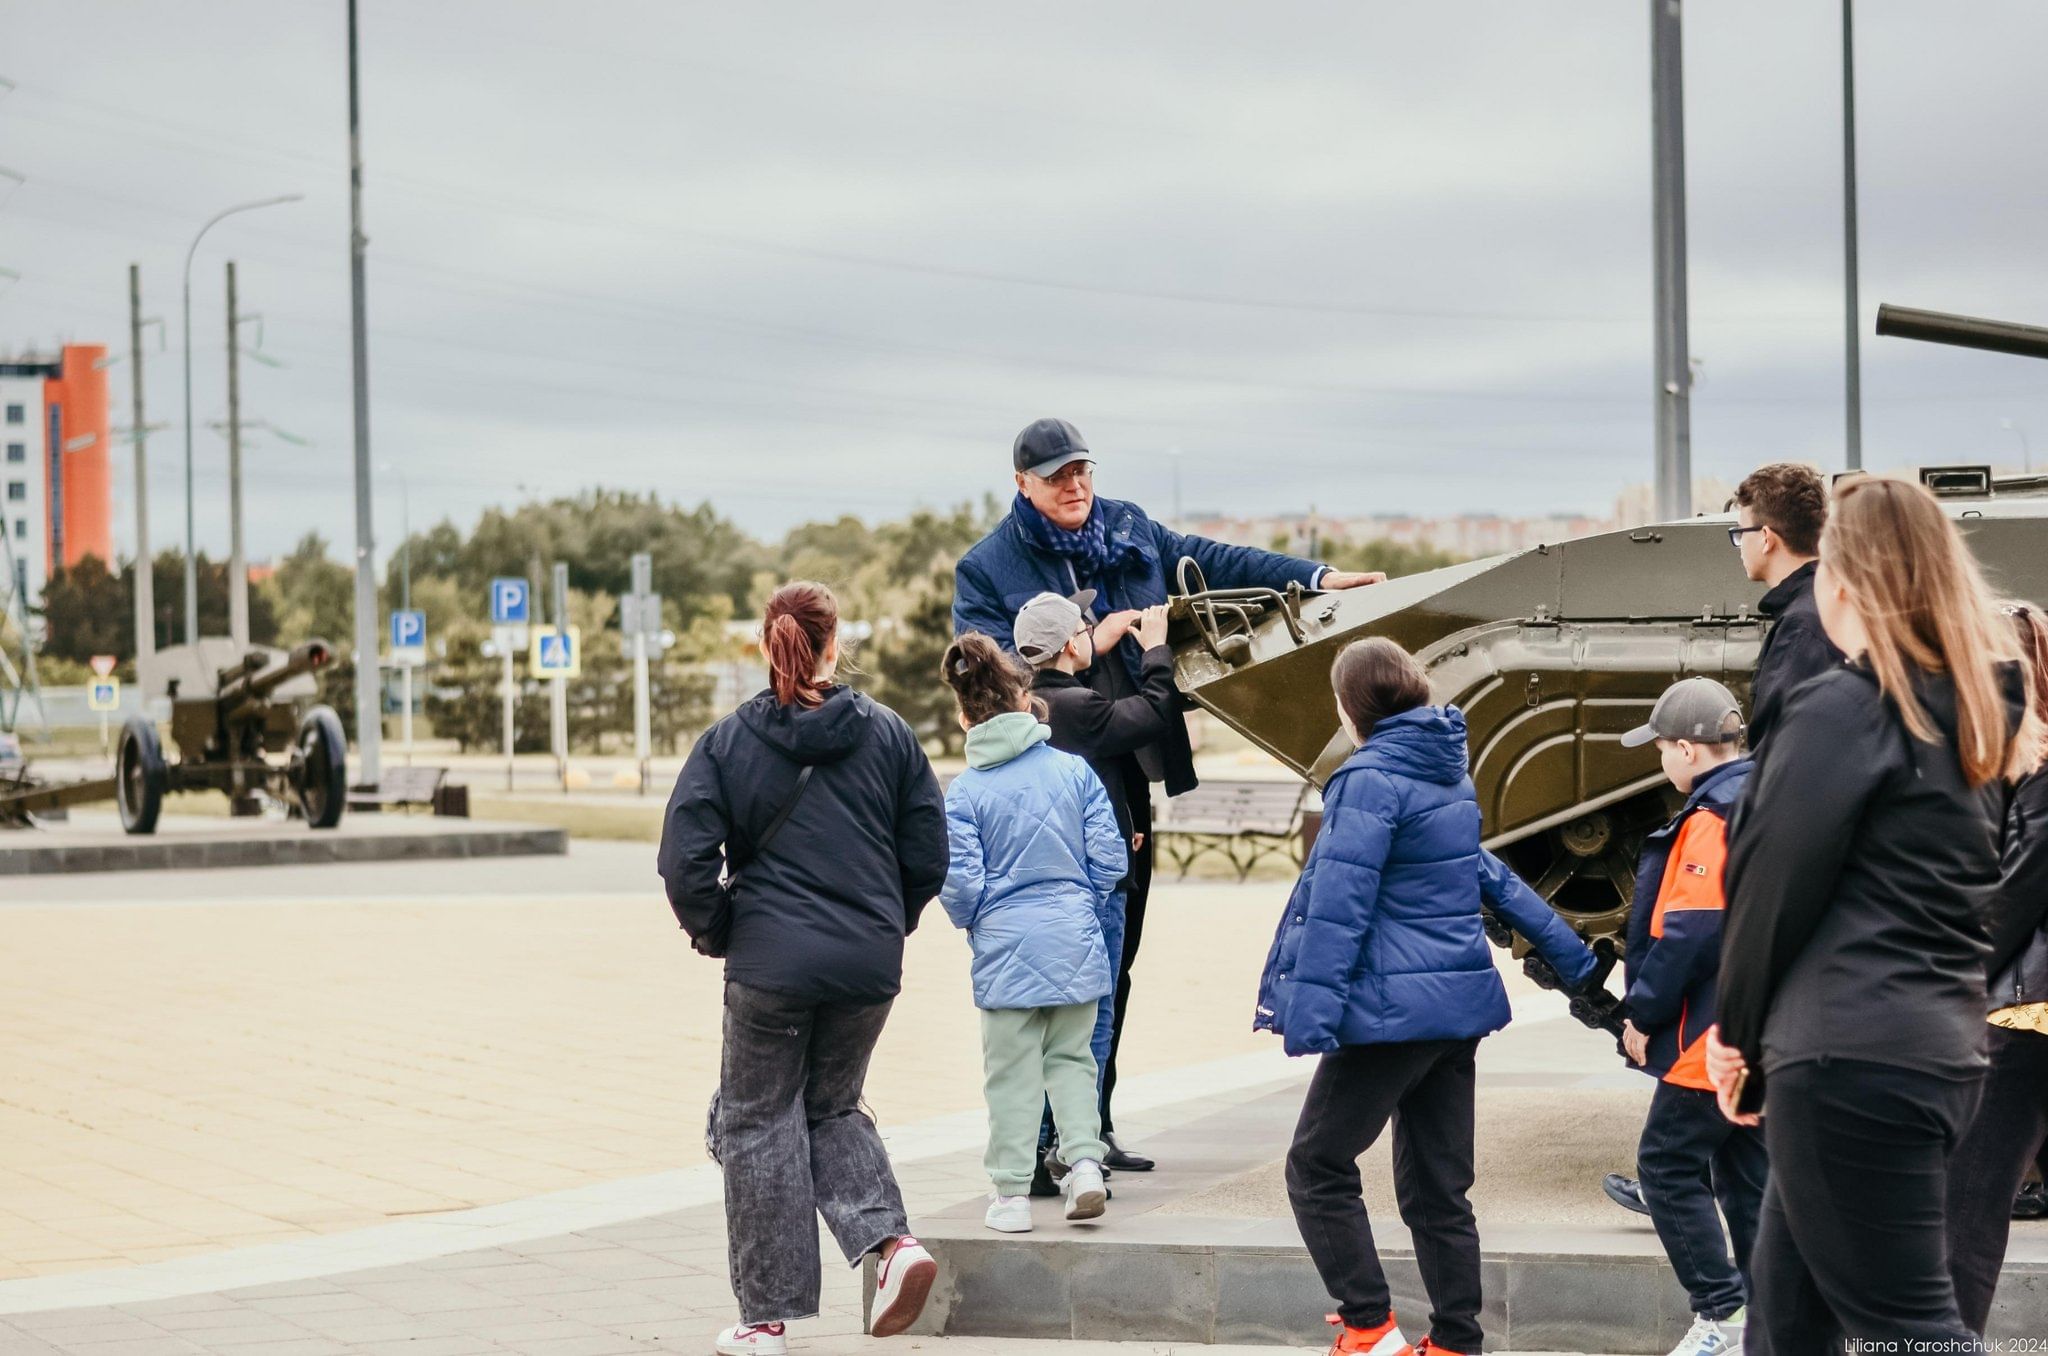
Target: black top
1109, 731
1854, 886
2017, 910
824, 913
1794, 650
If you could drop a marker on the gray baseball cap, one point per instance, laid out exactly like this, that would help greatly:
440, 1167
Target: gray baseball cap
1046, 445
1692, 708
1048, 622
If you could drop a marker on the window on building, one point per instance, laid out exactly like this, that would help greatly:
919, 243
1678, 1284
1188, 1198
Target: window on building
17, 490
16, 414
21, 527
17, 453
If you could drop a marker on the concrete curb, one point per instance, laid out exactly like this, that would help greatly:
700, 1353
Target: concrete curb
20, 856
1249, 1293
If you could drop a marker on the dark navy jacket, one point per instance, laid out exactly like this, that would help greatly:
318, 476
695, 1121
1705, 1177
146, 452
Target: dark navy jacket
1674, 931
1382, 940
1005, 570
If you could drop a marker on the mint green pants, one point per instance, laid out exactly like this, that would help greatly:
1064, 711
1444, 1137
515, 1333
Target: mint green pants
1030, 1055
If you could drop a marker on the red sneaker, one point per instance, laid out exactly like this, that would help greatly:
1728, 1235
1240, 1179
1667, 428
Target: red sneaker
1385, 1340
1426, 1347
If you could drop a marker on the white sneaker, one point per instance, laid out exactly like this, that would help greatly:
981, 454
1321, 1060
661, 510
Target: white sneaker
1709, 1338
753, 1339
1085, 1193
1008, 1214
903, 1280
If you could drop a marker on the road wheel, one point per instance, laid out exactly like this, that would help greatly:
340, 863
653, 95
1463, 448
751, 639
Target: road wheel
319, 770
139, 776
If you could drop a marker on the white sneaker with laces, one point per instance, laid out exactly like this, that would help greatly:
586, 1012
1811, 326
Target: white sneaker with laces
1086, 1196
1008, 1214
753, 1339
1709, 1338
903, 1280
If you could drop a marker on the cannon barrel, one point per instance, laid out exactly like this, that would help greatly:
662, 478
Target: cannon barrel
1965, 331
252, 685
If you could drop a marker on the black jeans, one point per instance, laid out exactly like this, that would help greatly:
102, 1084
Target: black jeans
1853, 1242
1426, 1089
1690, 1157
794, 1144
1989, 1164
1137, 889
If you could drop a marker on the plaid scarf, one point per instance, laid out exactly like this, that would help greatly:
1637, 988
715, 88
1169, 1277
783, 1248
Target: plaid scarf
1087, 546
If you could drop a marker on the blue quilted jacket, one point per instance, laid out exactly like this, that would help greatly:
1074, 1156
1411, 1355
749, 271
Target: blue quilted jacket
1382, 939
1035, 846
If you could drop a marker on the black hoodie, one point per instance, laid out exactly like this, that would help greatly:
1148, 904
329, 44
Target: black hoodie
824, 913
1854, 884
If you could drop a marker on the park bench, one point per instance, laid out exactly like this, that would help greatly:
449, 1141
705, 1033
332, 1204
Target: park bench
405, 787
1245, 821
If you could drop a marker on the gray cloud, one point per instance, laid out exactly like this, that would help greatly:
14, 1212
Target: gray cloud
805, 259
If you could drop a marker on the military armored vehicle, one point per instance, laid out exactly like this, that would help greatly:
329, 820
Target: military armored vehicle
1553, 653
233, 711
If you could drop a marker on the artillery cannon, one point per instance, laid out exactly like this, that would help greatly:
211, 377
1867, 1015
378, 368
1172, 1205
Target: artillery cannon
232, 712
1553, 653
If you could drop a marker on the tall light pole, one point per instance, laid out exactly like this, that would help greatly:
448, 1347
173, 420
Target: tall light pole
1673, 478
2026, 452
145, 564
369, 691
1854, 385
191, 560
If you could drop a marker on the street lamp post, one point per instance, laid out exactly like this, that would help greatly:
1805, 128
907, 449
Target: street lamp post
404, 598
2026, 452
191, 559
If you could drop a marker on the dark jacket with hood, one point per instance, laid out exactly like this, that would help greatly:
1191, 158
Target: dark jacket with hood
1795, 649
824, 913
2016, 916
1855, 879
1382, 940
1006, 569
1109, 731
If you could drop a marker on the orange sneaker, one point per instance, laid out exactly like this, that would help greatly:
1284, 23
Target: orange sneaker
1385, 1340
1428, 1348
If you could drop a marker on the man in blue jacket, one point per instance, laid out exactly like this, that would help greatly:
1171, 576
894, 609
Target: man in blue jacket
1060, 538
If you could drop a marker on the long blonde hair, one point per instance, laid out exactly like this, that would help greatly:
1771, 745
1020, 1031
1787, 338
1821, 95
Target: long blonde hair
1924, 605
2030, 749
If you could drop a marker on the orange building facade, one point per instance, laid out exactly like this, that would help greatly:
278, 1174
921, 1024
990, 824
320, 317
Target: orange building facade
57, 472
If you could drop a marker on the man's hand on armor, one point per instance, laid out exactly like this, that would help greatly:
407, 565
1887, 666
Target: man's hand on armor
1351, 579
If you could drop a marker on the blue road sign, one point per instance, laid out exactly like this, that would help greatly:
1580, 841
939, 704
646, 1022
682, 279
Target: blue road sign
556, 651
508, 602
408, 630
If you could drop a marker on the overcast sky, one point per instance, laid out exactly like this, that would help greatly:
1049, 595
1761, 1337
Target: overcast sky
807, 259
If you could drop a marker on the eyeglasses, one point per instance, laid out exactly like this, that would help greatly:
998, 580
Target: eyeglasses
1072, 473
1735, 534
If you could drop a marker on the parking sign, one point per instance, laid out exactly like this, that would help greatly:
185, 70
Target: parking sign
408, 637
508, 602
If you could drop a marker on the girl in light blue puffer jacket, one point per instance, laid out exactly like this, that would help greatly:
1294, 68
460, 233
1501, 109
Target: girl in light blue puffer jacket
1035, 850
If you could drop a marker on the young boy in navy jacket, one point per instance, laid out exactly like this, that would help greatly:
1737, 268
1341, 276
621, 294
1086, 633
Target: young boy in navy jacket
1382, 967
1691, 1156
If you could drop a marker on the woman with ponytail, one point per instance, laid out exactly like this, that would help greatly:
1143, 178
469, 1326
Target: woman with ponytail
1852, 965
805, 836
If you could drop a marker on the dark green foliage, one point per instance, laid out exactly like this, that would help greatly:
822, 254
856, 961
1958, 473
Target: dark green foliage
89, 611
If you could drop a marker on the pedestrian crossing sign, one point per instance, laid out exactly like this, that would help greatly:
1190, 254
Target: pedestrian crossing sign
556, 654
104, 694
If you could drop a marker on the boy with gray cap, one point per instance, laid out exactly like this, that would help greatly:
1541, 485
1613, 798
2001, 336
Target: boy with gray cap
1053, 636
1691, 1156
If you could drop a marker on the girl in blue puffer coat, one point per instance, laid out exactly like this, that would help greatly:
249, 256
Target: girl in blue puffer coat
1035, 853
1381, 966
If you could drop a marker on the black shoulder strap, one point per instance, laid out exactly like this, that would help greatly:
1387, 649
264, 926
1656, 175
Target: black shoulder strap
803, 779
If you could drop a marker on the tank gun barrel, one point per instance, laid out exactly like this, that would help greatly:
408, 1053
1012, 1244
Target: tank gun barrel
253, 684
1965, 331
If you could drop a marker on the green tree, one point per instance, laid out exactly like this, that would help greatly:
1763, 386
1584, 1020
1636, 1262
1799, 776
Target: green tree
88, 611
314, 596
1392, 558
